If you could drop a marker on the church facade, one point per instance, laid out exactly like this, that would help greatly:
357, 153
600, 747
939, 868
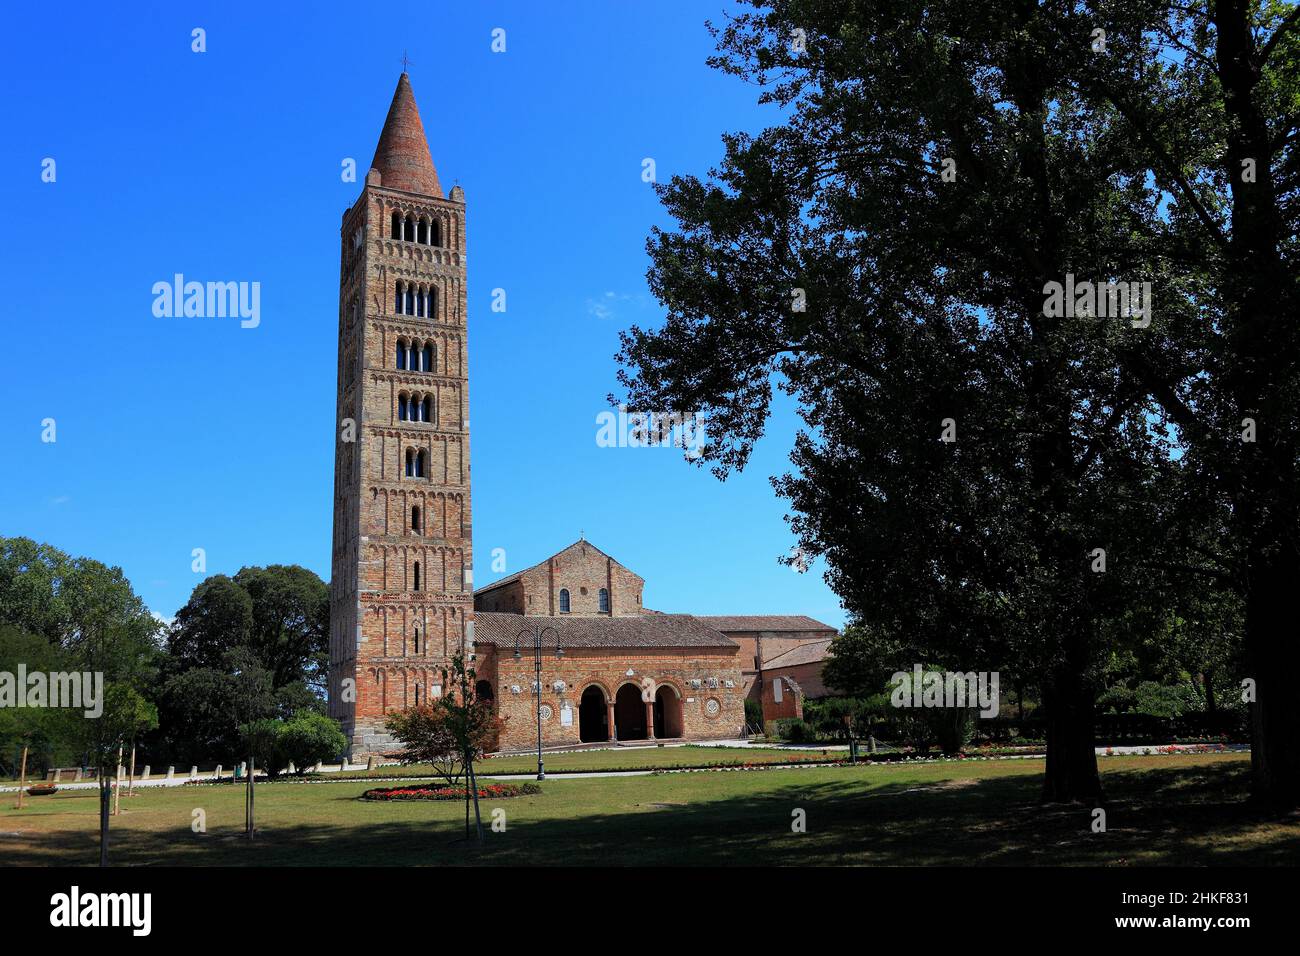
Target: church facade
402, 600
610, 669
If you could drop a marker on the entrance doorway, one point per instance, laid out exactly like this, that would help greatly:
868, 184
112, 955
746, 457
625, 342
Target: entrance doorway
629, 713
668, 713
593, 716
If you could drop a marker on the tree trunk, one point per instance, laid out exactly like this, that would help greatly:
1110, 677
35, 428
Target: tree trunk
248, 799
1261, 334
478, 819
1211, 705
130, 786
1273, 657
103, 814
22, 778
1071, 745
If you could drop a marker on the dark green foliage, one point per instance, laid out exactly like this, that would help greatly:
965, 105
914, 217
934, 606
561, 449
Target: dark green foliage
242, 649
925, 302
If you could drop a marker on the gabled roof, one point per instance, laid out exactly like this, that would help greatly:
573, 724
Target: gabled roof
652, 630
811, 653
402, 156
519, 574
763, 622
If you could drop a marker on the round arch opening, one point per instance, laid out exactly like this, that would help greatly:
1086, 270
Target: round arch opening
667, 713
593, 716
629, 713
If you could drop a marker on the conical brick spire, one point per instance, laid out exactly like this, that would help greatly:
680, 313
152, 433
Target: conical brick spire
402, 156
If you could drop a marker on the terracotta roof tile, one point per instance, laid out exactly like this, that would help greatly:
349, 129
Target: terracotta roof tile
810, 653
651, 630
762, 622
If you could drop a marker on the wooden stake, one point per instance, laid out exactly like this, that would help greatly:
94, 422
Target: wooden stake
117, 783
22, 779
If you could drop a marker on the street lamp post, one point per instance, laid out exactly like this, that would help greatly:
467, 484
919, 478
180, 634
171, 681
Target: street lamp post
537, 633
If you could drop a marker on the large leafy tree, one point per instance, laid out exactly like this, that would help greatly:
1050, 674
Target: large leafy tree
884, 255
243, 648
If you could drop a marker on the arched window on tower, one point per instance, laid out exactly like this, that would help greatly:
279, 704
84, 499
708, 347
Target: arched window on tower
419, 464
409, 233
426, 409
604, 601
564, 600
433, 302
435, 237
415, 409
410, 300
397, 225
413, 356
401, 407
401, 353
417, 577
422, 232
415, 518
426, 364
397, 304
419, 302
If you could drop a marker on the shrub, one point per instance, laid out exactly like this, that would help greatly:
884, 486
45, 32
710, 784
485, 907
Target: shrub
796, 731
310, 737
1163, 700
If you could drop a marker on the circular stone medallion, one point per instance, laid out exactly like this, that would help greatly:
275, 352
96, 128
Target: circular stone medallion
546, 712
711, 707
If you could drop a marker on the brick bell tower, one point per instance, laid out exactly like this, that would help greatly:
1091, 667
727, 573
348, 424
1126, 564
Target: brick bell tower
401, 588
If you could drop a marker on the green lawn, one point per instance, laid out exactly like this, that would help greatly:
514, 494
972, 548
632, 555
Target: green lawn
1162, 810
617, 758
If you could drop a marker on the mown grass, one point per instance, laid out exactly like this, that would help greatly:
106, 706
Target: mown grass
1161, 810
611, 760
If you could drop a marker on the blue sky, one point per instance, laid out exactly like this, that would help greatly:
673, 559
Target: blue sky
180, 433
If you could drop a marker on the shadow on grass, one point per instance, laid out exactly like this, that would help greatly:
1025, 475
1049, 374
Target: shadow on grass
1161, 816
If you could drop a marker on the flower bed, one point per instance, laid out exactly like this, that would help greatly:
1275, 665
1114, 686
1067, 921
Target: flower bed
493, 791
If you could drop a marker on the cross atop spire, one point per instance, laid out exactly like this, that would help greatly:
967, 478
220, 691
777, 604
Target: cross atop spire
405, 63
402, 156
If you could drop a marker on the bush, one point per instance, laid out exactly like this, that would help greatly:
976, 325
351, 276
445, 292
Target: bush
796, 731
1162, 700
304, 739
310, 737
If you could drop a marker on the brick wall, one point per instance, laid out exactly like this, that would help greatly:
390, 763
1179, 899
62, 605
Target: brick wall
583, 570
790, 704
